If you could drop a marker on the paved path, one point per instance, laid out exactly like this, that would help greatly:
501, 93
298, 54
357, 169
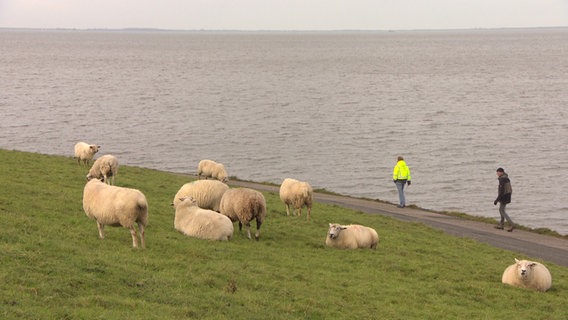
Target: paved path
533, 245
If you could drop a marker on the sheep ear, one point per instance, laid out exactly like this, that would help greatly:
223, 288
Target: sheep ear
532, 264
516, 260
342, 227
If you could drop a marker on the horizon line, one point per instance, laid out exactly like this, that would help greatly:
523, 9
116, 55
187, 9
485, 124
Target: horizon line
276, 30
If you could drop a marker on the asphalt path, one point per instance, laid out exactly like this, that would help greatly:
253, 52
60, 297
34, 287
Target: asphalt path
533, 245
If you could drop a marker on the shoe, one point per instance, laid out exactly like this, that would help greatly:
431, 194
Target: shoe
500, 227
400, 206
511, 229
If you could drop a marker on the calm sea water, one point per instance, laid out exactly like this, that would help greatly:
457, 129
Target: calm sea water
335, 109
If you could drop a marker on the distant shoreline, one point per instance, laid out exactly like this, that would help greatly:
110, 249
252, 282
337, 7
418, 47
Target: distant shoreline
261, 31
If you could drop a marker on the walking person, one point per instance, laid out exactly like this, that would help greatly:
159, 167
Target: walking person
401, 176
503, 198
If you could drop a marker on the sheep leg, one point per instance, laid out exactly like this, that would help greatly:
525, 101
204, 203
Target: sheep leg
141, 231
248, 230
287, 209
101, 228
240, 226
134, 239
309, 212
258, 224
300, 212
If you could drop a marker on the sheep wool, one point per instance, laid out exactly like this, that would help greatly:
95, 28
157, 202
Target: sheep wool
104, 168
116, 206
296, 194
207, 193
352, 236
244, 205
201, 223
209, 168
85, 152
527, 274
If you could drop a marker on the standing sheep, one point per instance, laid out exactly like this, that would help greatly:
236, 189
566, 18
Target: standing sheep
527, 274
116, 206
207, 193
244, 205
85, 152
104, 168
201, 223
351, 237
210, 168
297, 194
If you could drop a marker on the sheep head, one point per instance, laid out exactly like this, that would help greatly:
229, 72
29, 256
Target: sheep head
335, 230
188, 200
524, 268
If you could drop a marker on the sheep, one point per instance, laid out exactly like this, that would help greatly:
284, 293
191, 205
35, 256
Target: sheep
244, 205
116, 206
201, 223
207, 193
210, 168
527, 274
351, 237
104, 168
85, 152
297, 194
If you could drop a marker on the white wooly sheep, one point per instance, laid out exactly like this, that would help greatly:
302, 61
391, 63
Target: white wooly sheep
116, 206
297, 194
527, 274
104, 168
244, 205
201, 223
207, 193
351, 237
210, 168
85, 152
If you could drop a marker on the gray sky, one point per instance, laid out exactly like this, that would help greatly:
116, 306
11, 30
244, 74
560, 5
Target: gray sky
283, 14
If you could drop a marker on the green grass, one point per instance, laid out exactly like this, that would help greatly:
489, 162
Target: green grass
53, 266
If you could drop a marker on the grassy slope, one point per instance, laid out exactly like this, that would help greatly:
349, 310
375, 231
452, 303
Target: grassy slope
54, 266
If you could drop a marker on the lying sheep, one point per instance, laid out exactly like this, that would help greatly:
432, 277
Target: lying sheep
201, 223
85, 152
527, 274
297, 194
244, 205
207, 193
116, 206
104, 168
210, 168
351, 237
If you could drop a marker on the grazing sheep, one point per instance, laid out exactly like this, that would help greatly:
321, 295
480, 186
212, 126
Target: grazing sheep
527, 274
244, 205
210, 168
104, 168
297, 194
351, 237
201, 223
116, 206
85, 152
207, 193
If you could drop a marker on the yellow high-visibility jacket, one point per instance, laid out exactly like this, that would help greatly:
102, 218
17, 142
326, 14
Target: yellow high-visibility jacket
401, 171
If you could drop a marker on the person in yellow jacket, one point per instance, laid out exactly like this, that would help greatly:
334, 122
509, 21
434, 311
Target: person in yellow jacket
401, 176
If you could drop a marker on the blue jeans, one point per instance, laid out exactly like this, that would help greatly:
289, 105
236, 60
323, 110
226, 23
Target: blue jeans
400, 186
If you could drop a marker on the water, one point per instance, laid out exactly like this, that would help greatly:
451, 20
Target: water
335, 109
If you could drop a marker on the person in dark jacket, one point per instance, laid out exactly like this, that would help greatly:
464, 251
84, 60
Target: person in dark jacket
503, 198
